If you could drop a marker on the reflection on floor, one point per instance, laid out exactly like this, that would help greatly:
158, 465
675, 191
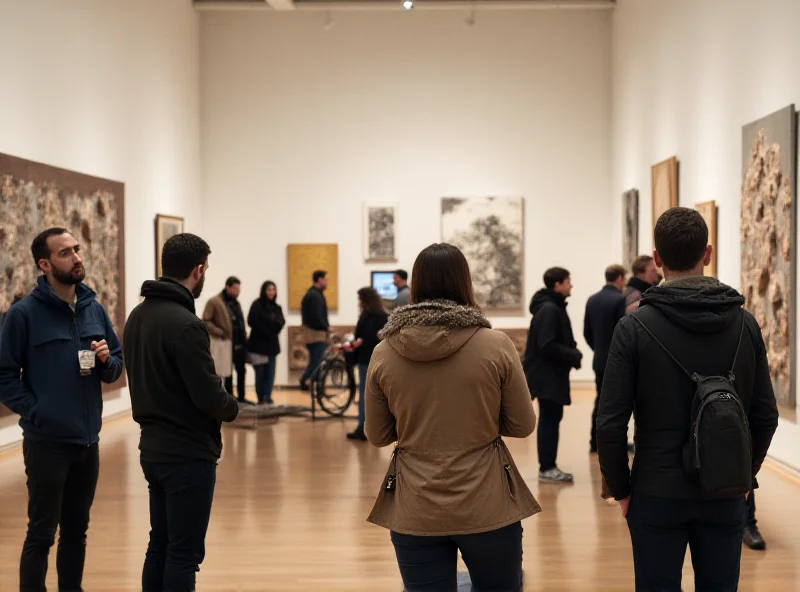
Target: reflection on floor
291, 502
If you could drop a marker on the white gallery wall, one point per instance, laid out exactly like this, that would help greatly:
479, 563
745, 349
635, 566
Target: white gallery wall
687, 75
301, 125
109, 88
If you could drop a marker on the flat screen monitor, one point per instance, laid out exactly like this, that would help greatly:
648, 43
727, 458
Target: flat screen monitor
383, 282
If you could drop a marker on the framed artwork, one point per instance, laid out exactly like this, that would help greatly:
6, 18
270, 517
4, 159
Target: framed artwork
166, 227
36, 196
302, 260
769, 241
630, 228
664, 177
490, 232
379, 232
519, 337
298, 354
708, 210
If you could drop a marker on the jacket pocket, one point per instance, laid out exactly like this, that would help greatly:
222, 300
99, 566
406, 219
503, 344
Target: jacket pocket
509, 481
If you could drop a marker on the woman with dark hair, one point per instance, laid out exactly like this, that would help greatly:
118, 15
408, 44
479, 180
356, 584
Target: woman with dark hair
445, 387
266, 322
373, 318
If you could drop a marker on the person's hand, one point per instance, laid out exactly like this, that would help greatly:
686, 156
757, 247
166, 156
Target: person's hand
101, 349
624, 506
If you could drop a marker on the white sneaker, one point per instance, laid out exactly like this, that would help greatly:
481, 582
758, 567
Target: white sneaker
555, 476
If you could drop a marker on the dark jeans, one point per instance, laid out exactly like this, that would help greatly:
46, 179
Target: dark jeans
550, 415
751, 510
265, 380
362, 387
62, 479
240, 363
316, 353
661, 529
598, 381
180, 508
494, 560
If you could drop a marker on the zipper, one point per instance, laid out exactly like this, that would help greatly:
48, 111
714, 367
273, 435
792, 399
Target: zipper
85, 399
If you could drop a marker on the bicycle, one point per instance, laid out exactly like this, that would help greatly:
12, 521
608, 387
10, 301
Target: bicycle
333, 383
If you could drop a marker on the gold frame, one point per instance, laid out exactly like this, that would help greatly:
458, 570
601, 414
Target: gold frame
160, 240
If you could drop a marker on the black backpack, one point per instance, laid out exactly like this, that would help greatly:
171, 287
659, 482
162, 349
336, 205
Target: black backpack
719, 451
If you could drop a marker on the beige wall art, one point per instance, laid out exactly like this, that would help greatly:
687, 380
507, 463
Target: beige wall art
302, 260
708, 210
664, 177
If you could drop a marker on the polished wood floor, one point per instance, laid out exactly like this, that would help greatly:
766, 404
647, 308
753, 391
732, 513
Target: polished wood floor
290, 508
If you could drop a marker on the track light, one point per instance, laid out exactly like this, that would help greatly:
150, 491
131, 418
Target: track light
408, 4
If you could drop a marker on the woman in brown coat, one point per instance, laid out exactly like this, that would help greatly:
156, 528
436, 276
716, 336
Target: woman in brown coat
446, 387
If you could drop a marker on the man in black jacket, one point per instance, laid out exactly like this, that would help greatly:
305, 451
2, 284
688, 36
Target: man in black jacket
700, 320
550, 355
180, 403
314, 311
603, 312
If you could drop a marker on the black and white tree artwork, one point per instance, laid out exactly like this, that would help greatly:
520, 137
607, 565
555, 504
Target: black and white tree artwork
489, 231
379, 232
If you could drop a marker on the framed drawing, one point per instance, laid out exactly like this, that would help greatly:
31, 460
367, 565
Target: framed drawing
664, 177
166, 227
302, 260
630, 228
490, 232
379, 232
708, 210
34, 197
769, 241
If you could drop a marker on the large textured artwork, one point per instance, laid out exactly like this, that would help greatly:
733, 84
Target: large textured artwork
166, 228
708, 210
379, 232
490, 232
769, 240
302, 260
298, 354
664, 177
34, 197
630, 227
519, 337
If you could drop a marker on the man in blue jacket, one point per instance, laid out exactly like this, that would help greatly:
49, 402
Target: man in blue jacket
56, 347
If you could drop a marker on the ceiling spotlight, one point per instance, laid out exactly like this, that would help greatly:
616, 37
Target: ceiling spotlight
408, 4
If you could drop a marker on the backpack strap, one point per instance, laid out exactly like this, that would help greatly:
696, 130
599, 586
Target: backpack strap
731, 375
692, 377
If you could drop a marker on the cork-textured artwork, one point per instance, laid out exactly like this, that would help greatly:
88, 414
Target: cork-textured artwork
630, 227
519, 337
664, 177
769, 240
34, 197
708, 210
298, 354
302, 260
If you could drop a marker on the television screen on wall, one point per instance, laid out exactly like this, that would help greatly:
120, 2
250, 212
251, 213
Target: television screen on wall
383, 282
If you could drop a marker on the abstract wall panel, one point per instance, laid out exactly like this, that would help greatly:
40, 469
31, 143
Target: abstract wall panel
769, 240
664, 177
380, 222
302, 261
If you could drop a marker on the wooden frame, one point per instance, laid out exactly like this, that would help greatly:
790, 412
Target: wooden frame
708, 210
166, 227
370, 254
664, 188
68, 188
630, 228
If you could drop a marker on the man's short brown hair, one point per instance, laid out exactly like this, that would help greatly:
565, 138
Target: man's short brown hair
640, 264
614, 272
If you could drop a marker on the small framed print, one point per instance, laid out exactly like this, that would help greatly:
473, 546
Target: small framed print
166, 227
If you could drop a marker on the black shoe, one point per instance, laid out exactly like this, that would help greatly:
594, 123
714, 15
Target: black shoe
753, 538
245, 402
631, 448
357, 434
304, 386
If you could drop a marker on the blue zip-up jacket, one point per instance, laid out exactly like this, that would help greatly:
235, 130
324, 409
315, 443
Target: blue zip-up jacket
40, 375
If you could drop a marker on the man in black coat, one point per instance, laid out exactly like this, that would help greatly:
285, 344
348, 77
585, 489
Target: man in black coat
550, 356
603, 312
314, 311
700, 321
180, 403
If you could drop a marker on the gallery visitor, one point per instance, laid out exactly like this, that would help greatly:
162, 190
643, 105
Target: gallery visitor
371, 321
263, 346
550, 355
400, 278
445, 387
316, 327
689, 340
179, 403
60, 403
645, 276
226, 323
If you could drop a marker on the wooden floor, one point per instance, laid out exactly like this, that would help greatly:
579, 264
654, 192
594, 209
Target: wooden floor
291, 503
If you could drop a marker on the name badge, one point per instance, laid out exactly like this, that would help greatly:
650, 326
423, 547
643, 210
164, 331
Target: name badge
86, 358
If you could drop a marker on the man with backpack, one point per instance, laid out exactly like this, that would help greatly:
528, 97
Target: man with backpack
692, 363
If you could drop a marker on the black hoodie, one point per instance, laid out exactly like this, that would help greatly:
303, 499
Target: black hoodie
551, 352
176, 396
699, 320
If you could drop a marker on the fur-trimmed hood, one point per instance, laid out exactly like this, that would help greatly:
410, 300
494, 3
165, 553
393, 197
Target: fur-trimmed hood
432, 330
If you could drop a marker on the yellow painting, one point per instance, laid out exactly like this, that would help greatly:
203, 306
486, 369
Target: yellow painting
302, 260
708, 210
664, 187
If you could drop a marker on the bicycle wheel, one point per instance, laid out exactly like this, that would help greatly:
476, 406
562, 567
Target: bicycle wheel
335, 390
